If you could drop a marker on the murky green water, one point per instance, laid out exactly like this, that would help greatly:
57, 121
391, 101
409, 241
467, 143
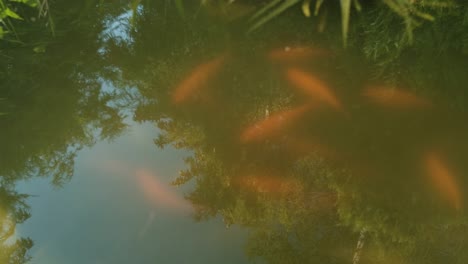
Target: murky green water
184, 133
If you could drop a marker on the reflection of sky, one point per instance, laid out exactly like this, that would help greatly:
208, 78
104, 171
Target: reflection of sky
117, 28
101, 216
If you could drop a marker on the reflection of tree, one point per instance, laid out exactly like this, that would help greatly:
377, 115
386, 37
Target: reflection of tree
13, 211
53, 100
317, 215
53, 104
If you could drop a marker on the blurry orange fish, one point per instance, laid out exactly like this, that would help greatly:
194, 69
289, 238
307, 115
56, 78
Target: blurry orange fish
273, 125
158, 193
197, 78
396, 98
443, 180
294, 54
314, 87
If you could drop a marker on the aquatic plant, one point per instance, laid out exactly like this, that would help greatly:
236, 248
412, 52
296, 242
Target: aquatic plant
413, 13
9, 11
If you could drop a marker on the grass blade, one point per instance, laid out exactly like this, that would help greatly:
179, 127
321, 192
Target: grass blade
357, 5
345, 10
422, 15
318, 4
306, 8
264, 9
277, 11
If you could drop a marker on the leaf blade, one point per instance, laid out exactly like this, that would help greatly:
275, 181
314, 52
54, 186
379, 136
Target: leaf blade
10, 13
345, 11
277, 11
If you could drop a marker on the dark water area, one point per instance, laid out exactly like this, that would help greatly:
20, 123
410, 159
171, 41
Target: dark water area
234, 132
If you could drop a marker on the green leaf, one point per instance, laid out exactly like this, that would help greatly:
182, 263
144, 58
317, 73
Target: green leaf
306, 8
9, 13
318, 4
357, 5
345, 10
423, 15
31, 3
1, 36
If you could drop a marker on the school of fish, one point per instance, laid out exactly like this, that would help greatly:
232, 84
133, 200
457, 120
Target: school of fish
315, 89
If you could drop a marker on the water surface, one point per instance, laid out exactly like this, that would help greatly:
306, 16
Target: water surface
192, 133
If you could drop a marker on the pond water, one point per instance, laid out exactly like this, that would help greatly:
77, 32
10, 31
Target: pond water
234, 132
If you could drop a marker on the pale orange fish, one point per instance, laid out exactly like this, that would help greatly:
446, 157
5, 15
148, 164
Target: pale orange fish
294, 54
159, 194
313, 87
395, 98
443, 179
197, 79
273, 125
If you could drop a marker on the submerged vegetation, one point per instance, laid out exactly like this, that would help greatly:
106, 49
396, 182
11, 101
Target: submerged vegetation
51, 102
308, 190
413, 13
214, 76
11, 10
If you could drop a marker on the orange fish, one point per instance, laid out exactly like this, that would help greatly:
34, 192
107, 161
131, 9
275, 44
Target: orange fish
313, 87
395, 98
443, 180
197, 78
159, 194
294, 54
273, 125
